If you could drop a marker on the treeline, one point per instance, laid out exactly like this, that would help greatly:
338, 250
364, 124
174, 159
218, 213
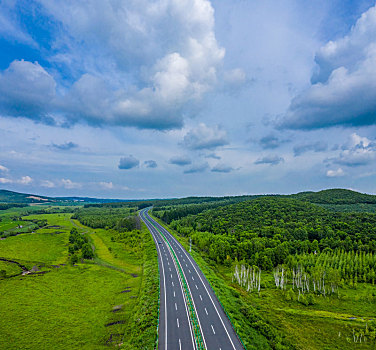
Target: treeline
133, 204
121, 219
170, 213
264, 232
168, 203
336, 196
5, 206
106, 217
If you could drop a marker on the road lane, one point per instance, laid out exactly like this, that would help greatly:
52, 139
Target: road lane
175, 331
216, 328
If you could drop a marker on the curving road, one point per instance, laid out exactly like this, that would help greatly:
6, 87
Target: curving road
175, 330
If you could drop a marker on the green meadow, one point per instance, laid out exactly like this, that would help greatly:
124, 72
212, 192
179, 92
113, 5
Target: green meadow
94, 304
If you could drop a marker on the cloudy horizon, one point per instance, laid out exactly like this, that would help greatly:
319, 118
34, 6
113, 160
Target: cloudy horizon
168, 98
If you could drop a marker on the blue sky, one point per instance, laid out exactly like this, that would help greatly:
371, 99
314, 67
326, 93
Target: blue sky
171, 98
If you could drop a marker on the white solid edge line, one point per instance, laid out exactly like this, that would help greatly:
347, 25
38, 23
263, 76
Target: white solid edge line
203, 284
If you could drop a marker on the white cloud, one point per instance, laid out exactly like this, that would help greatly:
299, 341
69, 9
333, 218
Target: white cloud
106, 185
335, 173
47, 184
26, 90
3, 168
25, 180
357, 151
204, 137
355, 141
144, 63
344, 89
69, 184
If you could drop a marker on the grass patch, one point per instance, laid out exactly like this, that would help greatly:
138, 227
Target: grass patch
63, 309
45, 248
9, 268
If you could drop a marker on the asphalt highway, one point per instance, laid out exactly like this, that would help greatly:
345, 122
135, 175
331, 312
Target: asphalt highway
175, 330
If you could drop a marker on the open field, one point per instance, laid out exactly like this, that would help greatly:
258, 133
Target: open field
62, 309
88, 306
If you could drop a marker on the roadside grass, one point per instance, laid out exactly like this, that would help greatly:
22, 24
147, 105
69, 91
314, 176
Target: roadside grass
141, 331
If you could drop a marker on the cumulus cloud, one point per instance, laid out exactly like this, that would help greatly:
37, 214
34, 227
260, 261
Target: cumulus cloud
106, 185
25, 180
204, 137
47, 184
270, 159
27, 90
133, 63
150, 163
3, 169
64, 146
358, 151
69, 184
319, 146
128, 162
222, 168
343, 90
198, 168
335, 173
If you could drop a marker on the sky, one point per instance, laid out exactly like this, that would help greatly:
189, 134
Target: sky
171, 98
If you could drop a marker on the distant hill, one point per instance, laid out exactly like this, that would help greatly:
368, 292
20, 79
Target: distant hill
16, 197
336, 196
328, 197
